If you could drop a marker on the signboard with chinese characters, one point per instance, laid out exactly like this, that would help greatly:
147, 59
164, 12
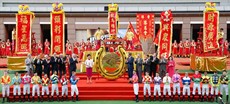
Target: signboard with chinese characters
57, 18
165, 34
145, 25
113, 19
210, 32
23, 30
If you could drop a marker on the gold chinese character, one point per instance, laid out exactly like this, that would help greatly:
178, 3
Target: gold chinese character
112, 20
165, 46
210, 45
23, 29
145, 22
145, 32
165, 37
57, 29
113, 25
142, 16
166, 27
210, 27
145, 27
57, 48
57, 19
211, 17
57, 39
23, 46
23, 19
24, 38
210, 36
112, 15
113, 30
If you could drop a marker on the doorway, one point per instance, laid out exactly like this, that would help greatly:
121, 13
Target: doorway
8, 31
195, 28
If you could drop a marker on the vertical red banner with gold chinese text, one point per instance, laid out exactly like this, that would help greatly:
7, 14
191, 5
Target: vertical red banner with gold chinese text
113, 23
23, 33
57, 33
210, 32
165, 34
145, 25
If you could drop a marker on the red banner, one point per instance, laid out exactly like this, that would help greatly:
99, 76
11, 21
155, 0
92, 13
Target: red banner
165, 34
57, 33
135, 40
23, 33
113, 23
210, 32
145, 25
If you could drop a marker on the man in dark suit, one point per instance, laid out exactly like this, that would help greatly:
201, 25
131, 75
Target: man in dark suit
153, 66
139, 62
46, 64
129, 62
73, 61
147, 63
38, 65
54, 63
62, 62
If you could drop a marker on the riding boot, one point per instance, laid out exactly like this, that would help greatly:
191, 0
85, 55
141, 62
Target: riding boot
20, 99
72, 99
32, 98
66, 98
3, 99
172, 97
77, 98
57, 98
144, 98
62, 98
216, 98
39, 99
52, 98
163, 98
42, 98
7, 99
149, 98
189, 98
227, 97
137, 100
202, 99
14, 99
193, 97
154, 98
28, 97
179, 97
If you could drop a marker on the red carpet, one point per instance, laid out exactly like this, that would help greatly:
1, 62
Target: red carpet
102, 89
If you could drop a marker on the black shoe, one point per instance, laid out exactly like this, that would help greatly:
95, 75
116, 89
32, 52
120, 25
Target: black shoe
20, 99
32, 99
227, 98
42, 98
193, 97
3, 100
154, 98
149, 98
7, 99
13, 99
144, 98
39, 99
52, 98
57, 98
66, 98
216, 98
189, 98
172, 97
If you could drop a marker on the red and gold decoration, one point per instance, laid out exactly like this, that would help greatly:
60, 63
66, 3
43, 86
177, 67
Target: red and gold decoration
24, 19
57, 17
211, 25
113, 20
165, 34
145, 25
208, 63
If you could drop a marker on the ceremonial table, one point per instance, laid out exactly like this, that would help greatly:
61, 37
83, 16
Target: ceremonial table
208, 63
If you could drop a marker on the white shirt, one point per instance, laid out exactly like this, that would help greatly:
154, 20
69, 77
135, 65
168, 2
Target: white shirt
165, 81
89, 63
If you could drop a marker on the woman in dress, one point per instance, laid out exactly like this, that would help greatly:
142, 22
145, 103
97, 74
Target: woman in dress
193, 47
8, 48
171, 66
89, 67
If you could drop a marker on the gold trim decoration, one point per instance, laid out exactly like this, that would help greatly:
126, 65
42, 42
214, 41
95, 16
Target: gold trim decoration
102, 71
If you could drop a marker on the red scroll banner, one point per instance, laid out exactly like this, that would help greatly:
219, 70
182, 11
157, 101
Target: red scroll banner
211, 22
23, 36
145, 25
112, 23
165, 34
57, 33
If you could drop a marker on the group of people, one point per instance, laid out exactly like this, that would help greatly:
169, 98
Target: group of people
150, 64
200, 83
184, 49
37, 83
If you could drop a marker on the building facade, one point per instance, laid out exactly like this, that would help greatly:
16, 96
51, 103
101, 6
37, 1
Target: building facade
84, 16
